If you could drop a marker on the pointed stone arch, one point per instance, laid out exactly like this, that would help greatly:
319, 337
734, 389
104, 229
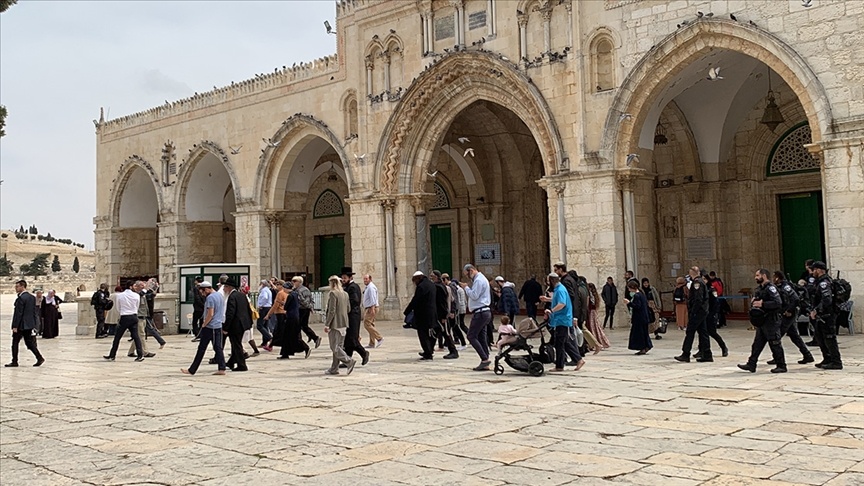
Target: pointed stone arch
184, 173
295, 132
126, 170
643, 86
442, 92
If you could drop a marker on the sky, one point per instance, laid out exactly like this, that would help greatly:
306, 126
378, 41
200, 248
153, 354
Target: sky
60, 61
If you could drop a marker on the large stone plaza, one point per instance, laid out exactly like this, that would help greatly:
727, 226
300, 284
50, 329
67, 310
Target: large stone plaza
622, 419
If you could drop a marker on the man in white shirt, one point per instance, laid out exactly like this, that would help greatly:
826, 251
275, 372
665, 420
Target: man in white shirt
479, 299
370, 309
265, 302
127, 306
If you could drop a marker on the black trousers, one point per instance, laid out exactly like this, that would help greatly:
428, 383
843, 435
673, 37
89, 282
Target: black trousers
826, 337
789, 327
352, 336
711, 328
768, 333
456, 325
29, 341
100, 322
197, 319
697, 325
427, 341
304, 324
130, 323
445, 333
564, 346
530, 310
237, 359
610, 317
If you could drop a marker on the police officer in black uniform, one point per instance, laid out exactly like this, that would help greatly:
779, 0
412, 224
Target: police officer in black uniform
713, 314
789, 317
824, 314
697, 309
768, 304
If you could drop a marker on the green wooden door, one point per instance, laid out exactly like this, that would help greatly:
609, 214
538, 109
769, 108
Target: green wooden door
442, 251
801, 230
331, 256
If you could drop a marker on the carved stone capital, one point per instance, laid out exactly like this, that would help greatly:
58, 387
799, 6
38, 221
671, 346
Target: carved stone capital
421, 201
522, 19
545, 9
370, 63
568, 4
388, 204
626, 180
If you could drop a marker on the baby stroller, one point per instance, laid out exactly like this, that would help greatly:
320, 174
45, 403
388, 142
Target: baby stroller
533, 361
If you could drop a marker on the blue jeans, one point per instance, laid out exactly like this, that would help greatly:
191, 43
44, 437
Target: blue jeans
207, 335
130, 323
477, 333
263, 325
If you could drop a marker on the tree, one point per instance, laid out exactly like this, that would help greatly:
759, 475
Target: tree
38, 266
6, 267
5, 4
2, 117
55, 265
76, 267
21, 229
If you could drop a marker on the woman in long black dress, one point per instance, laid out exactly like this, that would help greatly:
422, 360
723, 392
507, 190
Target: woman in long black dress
50, 315
292, 342
640, 340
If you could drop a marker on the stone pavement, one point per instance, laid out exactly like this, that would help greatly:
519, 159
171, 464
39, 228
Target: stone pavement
623, 419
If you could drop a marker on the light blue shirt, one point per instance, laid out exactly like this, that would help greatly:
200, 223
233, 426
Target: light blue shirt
562, 317
265, 298
214, 301
478, 293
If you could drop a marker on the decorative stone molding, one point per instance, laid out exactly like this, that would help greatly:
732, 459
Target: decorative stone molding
423, 101
185, 169
118, 184
626, 179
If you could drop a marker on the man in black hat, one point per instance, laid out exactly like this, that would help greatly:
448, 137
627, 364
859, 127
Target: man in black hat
352, 337
768, 300
238, 320
824, 314
197, 307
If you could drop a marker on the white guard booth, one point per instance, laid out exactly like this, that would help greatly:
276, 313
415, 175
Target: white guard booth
211, 273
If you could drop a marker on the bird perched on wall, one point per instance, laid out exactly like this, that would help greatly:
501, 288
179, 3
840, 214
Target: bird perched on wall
632, 159
235, 151
270, 143
468, 151
733, 17
359, 158
714, 74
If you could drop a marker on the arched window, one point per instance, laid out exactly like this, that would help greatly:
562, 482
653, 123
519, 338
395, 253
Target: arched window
603, 63
328, 205
442, 200
789, 155
350, 109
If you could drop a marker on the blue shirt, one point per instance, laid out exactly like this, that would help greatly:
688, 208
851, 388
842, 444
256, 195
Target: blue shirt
562, 317
478, 293
214, 301
265, 298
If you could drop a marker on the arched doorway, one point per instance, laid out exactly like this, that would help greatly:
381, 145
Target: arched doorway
474, 128
135, 215
702, 189
206, 203
304, 186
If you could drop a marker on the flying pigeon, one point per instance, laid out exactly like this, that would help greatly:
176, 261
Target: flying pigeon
733, 17
625, 116
806, 3
431, 174
468, 151
714, 74
463, 140
632, 158
359, 158
270, 143
235, 151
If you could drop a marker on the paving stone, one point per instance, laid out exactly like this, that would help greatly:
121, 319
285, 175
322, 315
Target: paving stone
448, 462
847, 479
792, 461
525, 476
581, 464
844, 442
384, 451
804, 476
721, 466
490, 450
730, 480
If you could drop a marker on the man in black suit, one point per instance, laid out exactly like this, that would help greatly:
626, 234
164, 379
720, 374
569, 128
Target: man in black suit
352, 336
531, 292
425, 309
23, 324
238, 320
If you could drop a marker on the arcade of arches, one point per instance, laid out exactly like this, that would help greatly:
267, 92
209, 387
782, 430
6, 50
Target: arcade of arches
481, 159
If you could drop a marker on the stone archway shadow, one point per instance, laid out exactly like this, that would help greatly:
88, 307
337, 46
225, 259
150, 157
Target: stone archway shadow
125, 172
187, 168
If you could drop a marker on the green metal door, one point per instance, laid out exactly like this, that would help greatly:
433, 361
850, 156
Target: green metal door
442, 251
801, 230
331, 256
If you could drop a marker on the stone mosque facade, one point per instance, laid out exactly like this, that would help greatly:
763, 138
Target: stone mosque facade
511, 134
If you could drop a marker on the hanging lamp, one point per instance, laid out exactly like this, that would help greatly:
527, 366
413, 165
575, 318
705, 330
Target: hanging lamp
772, 116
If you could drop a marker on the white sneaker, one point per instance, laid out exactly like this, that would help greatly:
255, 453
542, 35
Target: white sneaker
379, 343
462, 348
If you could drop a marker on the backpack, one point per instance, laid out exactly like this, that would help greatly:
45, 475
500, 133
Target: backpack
94, 301
803, 297
841, 290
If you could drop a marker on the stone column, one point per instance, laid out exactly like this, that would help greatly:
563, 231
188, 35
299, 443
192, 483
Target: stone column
490, 18
562, 223
253, 243
390, 253
370, 64
430, 29
546, 14
842, 189
424, 26
568, 4
626, 182
522, 19
458, 21
424, 258
385, 56
274, 223
171, 236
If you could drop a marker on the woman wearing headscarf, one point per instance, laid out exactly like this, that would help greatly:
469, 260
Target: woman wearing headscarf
640, 340
292, 342
602, 342
679, 296
51, 315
